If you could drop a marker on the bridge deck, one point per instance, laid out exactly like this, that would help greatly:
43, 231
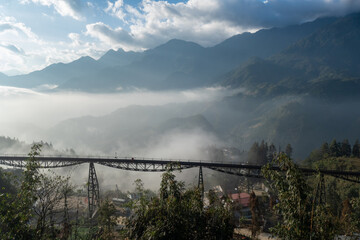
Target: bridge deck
159, 165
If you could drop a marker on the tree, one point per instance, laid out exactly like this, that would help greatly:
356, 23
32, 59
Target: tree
180, 214
258, 154
271, 152
16, 211
51, 190
356, 149
334, 148
288, 150
263, 152
107, 219
325, 151
49, 194
301, 218
6, 185
253, 155
345, 148
256, 219
66, 190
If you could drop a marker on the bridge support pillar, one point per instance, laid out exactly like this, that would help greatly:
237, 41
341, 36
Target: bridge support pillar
321, 192
201, 182
93, 190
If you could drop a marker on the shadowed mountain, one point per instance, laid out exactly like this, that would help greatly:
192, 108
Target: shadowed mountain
324, 64
149, 71
186, 124
179, 64
176, 64
3, 77
119, 58
133, 127
54, 74
263, 43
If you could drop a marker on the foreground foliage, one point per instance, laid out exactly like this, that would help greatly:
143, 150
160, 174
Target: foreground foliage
301, 211
16, 211
28, 212
180, 214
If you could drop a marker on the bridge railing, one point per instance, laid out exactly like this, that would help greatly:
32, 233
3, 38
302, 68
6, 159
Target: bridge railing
107, 157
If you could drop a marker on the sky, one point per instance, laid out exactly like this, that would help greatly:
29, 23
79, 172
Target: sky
37, 33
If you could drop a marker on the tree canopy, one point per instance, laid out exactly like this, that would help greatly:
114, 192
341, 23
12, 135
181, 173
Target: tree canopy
180, 214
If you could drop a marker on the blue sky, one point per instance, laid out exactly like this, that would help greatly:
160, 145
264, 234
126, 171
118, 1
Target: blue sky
37, 33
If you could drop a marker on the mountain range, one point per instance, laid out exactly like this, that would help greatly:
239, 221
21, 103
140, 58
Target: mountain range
300, 85
176, 64
324, 64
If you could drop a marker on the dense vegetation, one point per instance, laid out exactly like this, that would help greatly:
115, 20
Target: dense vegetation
180, 214
317, 207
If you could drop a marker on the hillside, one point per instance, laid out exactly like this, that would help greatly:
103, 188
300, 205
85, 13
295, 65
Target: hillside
324, 64
176, 64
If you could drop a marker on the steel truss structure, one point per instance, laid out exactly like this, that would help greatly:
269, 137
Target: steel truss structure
161, 165
93, 190
201, 182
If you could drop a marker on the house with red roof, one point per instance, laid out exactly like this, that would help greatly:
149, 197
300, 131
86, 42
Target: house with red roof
242, 198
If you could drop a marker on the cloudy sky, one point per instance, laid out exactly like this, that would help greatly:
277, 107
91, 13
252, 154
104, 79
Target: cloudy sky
36, 33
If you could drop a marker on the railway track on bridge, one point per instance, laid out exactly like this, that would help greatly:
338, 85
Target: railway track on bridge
160, 165
156, 165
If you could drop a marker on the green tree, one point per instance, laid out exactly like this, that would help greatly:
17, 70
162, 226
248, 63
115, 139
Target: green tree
263, 153
180, 214
300, 217
253, 155
288, 150
258, 153
345, 148
335, 150
6, 185
356, 149
16, 211
332, 197
325, 151
50, 192
107, 219
256, 215
271, 152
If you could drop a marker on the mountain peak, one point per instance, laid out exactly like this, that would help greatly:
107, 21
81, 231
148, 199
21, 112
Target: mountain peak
3, 74
175, 45
84, 59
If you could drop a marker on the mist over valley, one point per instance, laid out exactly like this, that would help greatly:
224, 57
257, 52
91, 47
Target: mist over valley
268, 85
186, 119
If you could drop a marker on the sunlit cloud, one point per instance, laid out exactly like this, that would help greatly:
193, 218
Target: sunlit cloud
146, 24
69, 8
21, 50
206, 22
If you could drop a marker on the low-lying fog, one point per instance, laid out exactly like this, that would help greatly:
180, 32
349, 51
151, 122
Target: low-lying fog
172, 124
140, 123
23, 110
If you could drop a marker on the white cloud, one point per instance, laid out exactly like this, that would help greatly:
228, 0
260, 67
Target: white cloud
156, 22
116, 9
75, 38
13, 48
113, 37
69, 8
9, 24
22, 51
146, 25
206, 22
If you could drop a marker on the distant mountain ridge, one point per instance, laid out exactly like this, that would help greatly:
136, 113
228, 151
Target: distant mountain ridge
324, 64
176, 64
